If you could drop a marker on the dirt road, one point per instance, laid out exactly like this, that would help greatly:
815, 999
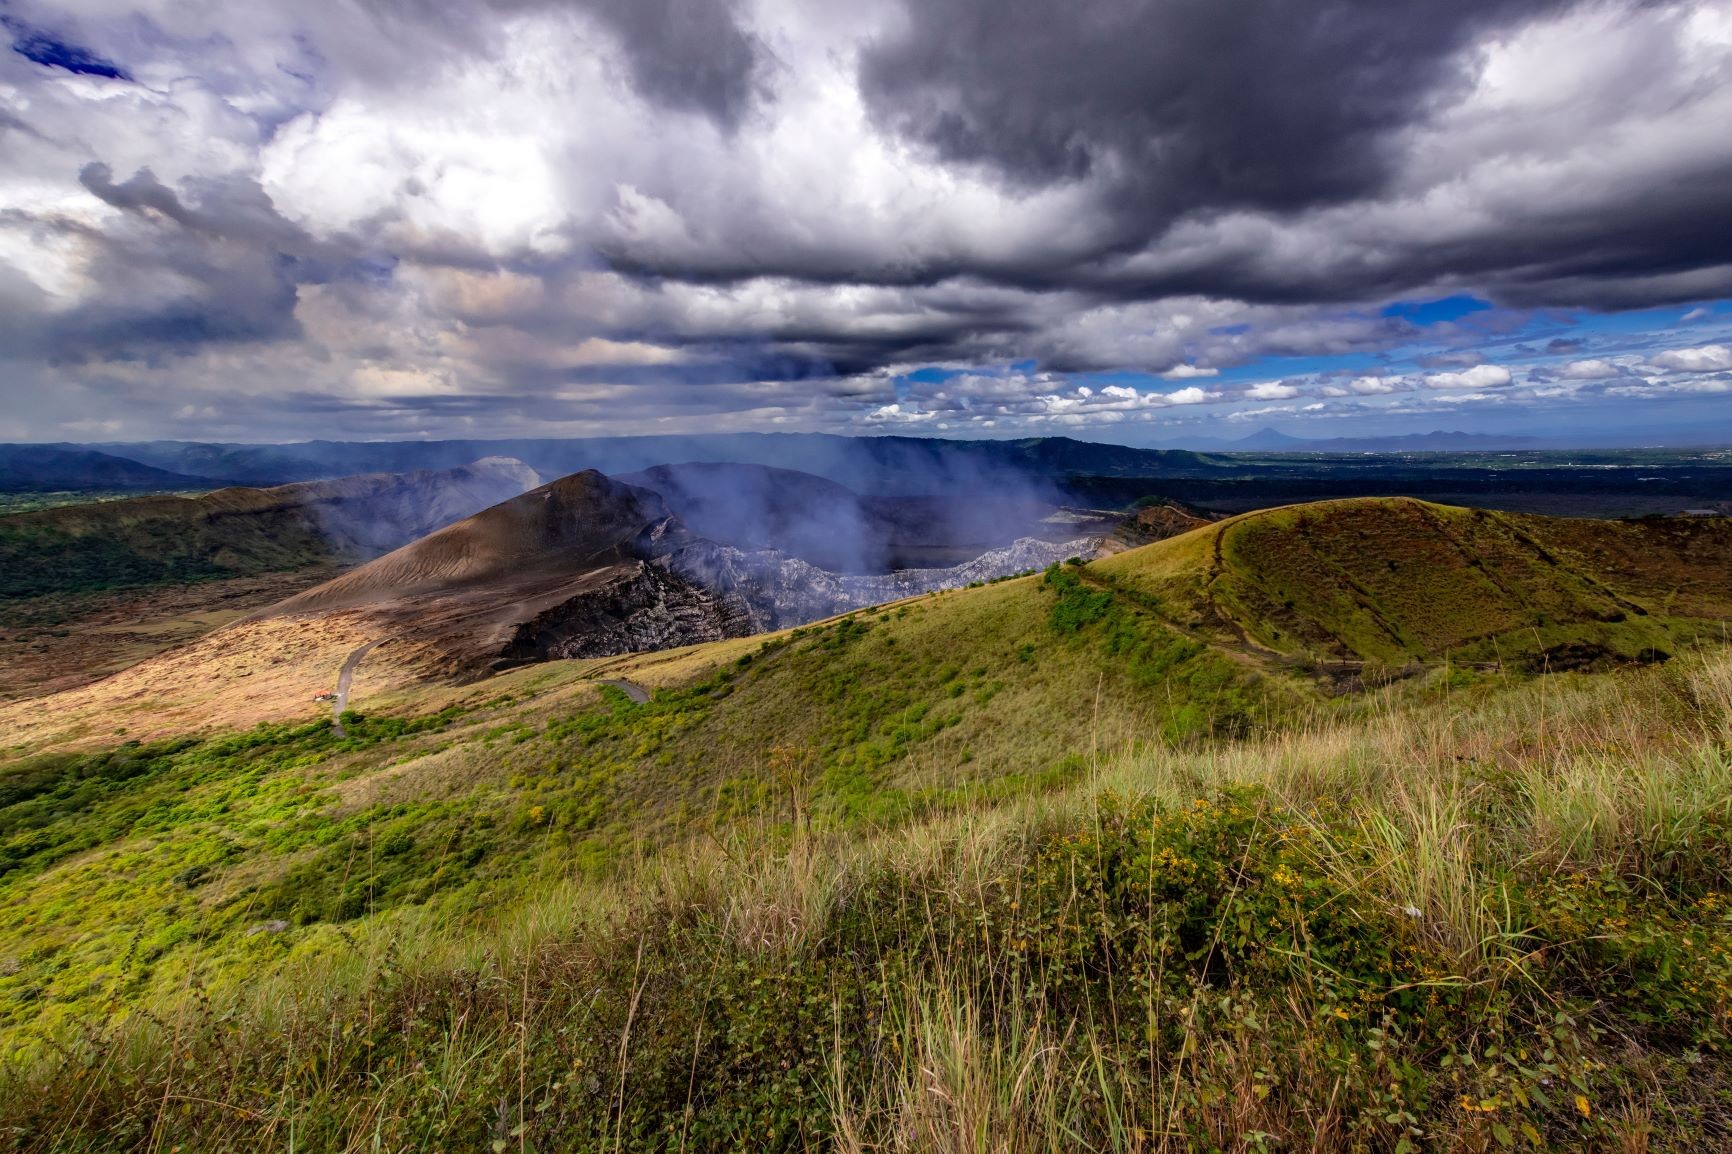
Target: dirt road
344, 677
636, 692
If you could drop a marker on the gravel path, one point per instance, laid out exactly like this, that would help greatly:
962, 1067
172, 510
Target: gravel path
344, 677
636, 692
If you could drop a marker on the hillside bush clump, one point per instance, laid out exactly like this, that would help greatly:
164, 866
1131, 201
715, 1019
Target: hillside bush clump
1133, 975
1075, 604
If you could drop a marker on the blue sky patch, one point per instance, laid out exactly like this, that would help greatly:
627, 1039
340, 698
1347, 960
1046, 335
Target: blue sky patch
1433, 312
40, 47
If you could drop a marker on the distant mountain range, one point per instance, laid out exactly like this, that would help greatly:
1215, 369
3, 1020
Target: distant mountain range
56, 468
872, 466
1270, 440
889, 466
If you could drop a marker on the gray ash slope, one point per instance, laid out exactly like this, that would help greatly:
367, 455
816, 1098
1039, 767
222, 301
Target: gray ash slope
590, 566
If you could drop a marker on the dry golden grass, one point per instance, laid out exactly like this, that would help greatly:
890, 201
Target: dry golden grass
234, 678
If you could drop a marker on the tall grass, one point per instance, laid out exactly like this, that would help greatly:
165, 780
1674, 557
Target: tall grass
1492, 922
1655, 816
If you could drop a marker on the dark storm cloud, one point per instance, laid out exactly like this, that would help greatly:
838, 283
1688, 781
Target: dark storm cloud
686, 54
456, 208
1197, 103
1673, 246
142, 193
231, 208
1238, 148
713, 367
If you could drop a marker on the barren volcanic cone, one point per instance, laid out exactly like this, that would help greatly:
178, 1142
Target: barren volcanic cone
593, 567
575, 524
564, 570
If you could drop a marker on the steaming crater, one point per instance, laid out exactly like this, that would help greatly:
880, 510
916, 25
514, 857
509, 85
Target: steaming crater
835, 528
590, 566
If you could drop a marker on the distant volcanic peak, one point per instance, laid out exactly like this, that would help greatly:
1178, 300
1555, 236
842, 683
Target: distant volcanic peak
578, 522
506, 467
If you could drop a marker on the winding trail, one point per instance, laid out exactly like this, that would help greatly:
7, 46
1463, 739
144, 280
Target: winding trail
344, 677
637, 693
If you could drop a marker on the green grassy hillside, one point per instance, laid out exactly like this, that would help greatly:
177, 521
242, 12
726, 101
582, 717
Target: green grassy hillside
871, 720
1414, 931
1084, 860
152, 540
1397, 581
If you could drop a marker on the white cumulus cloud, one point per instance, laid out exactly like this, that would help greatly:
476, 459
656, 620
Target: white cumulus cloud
1271, 391
1371, 386
1590, 370
1702, 359
1478, 377
1186, 371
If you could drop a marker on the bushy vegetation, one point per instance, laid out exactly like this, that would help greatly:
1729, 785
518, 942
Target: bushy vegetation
156, 540
1497, 925
125, 872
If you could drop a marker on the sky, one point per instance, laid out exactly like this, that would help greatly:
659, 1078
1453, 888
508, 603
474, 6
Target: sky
1122, 220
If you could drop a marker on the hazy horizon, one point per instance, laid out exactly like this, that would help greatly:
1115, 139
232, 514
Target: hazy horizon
1262, 439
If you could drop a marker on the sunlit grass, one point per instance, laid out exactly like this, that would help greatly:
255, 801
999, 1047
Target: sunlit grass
1025, 868
1428, 881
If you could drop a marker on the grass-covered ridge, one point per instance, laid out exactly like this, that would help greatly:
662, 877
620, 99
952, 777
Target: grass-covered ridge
1062, 862
1398, 581
153, 540
124, 871
1500, 924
